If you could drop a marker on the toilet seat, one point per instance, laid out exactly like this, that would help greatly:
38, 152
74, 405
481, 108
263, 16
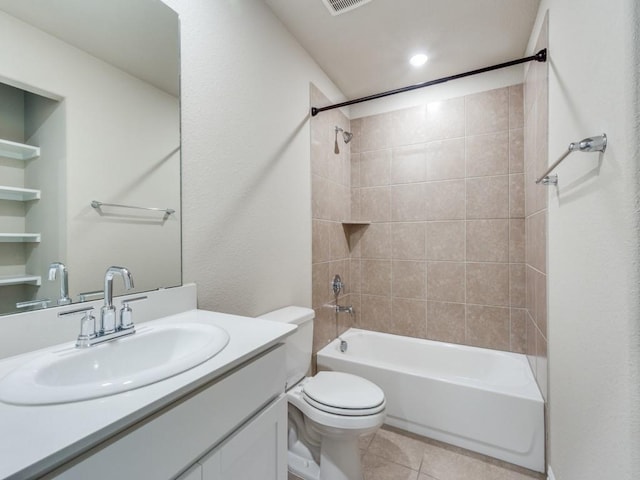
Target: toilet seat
343, 394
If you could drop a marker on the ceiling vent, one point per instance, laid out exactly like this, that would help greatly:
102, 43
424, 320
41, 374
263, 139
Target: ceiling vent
337, 7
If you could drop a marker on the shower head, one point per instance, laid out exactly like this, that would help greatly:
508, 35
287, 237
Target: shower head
346, 136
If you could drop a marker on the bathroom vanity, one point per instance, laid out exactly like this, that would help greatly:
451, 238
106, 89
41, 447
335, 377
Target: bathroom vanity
224, 418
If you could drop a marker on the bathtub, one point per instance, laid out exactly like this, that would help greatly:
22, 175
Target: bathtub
482, 400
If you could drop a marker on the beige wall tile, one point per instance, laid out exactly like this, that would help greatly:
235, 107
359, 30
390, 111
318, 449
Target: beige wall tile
375, 168
374, 133
517, 285
376, 241
376, 313
539, 241
516, 106
345, 320
375, 204
408, 164
516, 240
408, 279
355, 205
487, 112
445, 160
408, 241
446, 240
408, 317
321, 241
530, 293
488, 240
487, 154
324, 327
446, 322
541, 365
319, 207
320, 284
516, 195
532, 334
488, 327
488, 197
339, 242
518, 330
446, 281
446, 200
375, 277
488, 284
356, 129
408, 202
355, 170
516, 150
355, 274
541, 302
444, 120
406, 125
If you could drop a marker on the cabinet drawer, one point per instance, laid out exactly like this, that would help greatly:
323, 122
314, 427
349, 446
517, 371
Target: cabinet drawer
168, 442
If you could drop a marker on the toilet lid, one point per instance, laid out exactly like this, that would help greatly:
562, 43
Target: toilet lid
344, 394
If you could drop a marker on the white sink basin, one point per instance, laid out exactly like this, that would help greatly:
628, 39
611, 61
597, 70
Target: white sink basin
151, 354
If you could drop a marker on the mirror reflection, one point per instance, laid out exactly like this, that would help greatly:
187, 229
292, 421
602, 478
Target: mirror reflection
89, 112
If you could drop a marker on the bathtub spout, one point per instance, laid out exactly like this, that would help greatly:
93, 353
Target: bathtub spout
348, 309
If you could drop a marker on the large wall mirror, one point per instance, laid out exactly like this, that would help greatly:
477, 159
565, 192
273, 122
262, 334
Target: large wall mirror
89, 112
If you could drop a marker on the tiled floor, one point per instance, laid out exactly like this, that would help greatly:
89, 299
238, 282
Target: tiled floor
392, 454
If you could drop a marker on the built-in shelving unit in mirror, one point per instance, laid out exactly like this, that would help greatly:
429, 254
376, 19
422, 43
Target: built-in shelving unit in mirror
20, 237
18, 194
24, 152
20, 280
18, 151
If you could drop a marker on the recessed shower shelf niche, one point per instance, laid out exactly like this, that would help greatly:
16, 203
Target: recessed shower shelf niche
19, 238
18, 194
20, 280
18, 151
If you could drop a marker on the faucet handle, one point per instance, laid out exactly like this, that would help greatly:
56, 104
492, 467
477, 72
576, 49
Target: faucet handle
126, 314
87, 325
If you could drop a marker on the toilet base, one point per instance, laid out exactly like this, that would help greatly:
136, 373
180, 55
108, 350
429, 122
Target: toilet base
305, 468
340, 459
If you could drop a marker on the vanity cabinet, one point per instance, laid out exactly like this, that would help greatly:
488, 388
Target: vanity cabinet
258, 450
234, 428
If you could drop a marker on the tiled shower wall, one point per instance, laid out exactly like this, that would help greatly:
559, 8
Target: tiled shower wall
331, 198
443, 187
536, 160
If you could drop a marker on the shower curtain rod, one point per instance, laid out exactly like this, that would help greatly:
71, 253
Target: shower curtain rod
541, 56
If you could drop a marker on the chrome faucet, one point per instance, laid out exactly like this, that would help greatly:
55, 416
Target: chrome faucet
109, 328
108, 311
338, 286
346, 309
54, 268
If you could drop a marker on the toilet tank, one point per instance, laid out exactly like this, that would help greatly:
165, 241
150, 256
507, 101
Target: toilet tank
299, 344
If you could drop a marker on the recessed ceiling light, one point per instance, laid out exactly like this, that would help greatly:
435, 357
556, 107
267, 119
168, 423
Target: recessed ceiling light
418, 60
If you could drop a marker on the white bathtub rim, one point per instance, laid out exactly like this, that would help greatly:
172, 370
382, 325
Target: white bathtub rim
529, 391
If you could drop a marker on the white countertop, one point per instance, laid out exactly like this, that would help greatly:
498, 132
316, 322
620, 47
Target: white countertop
36, 439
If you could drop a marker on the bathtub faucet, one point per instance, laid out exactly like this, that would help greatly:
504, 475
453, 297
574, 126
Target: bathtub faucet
348, 309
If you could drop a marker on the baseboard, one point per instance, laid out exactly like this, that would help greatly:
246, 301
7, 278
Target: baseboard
550, 475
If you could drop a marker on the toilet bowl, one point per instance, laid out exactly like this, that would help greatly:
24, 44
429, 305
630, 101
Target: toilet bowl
327, 412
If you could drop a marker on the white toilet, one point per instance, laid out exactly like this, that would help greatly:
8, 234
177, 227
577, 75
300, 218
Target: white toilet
327, 412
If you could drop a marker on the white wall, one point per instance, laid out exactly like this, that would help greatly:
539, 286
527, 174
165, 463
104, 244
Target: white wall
120, 133
594, 345
246, 156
